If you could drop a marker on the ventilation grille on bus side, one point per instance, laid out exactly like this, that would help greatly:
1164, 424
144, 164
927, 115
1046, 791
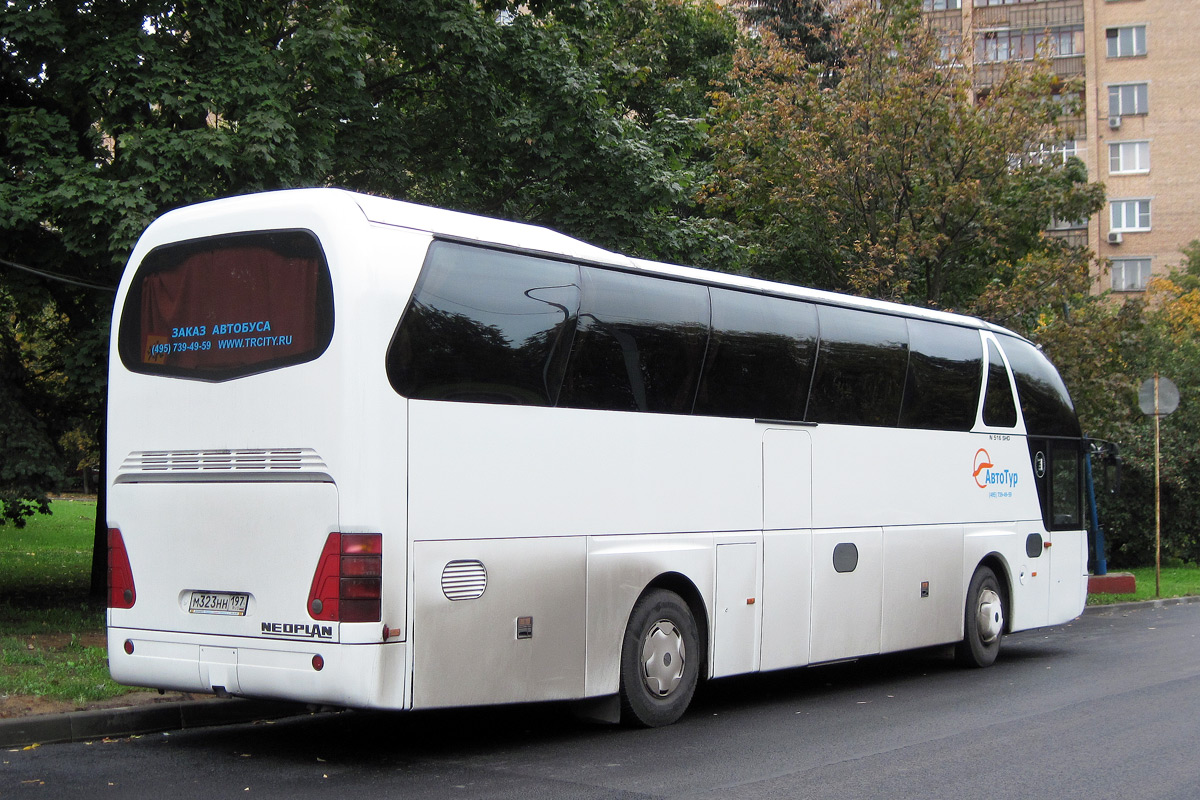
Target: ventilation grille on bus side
274, 464
464, 580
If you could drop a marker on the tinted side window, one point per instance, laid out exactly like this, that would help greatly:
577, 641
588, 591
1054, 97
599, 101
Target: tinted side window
861, 362
639, 344
945, 365
1045, 403
485, 326
760, 357
999, 410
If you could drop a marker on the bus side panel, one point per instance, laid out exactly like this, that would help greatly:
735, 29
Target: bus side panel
787, 595
736, 612
1068, 592
892, 476
618, 569
922, 586
522, 639
565, 472
847, 590
1028, 579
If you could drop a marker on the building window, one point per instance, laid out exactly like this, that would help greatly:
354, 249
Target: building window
942, 5
1051, 153
1059, 153
1124, 42
1057, 224
1125, 99
1022, 45
1128, 157
949, 47
1065, 41
1130, 274
1130, 215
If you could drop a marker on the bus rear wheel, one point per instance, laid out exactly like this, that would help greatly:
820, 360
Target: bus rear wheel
660, 657
983, 623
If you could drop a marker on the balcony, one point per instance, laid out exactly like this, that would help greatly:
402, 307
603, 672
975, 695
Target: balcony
1067, 66
1025, 16
949, 20
990, 73
1073, 128
1071, 237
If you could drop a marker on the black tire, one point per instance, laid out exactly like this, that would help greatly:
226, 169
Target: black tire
655, 687
983, 621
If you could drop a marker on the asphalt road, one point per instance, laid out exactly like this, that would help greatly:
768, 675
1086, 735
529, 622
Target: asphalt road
1107, 707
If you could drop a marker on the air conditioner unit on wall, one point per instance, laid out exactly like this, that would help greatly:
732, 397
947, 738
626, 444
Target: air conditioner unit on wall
1115, 237
1114, 122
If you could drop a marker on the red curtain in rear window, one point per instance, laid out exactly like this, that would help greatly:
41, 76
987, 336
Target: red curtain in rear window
230, 309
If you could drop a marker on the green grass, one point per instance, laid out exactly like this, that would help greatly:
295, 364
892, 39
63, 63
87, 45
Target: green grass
50, 632
1176, 582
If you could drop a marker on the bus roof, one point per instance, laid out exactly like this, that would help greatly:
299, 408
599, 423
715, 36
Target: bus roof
536, 239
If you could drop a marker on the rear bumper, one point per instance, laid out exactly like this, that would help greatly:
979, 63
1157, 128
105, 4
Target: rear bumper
352, 675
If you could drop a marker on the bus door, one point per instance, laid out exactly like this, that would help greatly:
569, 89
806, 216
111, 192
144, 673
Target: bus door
1058, 472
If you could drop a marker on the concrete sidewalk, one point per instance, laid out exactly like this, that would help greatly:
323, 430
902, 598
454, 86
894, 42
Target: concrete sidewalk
76, 726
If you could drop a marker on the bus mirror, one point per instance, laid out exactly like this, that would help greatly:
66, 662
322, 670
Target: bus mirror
1107, 456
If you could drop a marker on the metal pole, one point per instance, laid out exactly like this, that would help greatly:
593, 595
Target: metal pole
1097, 531
1157, 500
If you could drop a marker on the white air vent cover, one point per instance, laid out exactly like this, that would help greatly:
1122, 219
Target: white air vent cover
268, 464
464, 580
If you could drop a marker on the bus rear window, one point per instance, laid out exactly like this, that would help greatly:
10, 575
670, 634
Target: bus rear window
225, 307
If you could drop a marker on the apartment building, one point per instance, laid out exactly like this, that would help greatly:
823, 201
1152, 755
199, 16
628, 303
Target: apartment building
1139, 132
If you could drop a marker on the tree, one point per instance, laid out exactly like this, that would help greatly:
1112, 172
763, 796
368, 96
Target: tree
589, 116
28, 464
806, 26
1168, 344
899, 181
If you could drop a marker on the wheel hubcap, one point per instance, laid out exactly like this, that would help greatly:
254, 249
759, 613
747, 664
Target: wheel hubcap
663, 658
990, 616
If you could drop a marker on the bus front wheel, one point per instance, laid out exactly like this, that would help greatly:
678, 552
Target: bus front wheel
983, 623
659, 660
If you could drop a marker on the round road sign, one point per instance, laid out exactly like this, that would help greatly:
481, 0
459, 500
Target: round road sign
1168, 396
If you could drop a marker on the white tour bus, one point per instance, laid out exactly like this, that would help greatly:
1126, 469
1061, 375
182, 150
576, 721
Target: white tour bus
372, 454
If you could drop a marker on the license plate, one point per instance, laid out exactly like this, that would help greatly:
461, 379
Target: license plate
230, 604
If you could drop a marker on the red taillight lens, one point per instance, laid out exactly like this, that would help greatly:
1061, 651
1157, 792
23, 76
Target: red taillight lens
323, 596
347, 586
121, 592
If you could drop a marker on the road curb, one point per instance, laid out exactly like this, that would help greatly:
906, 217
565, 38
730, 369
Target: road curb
77, 726
1159, 602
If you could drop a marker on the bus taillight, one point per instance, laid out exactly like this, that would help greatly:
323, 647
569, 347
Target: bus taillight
347, 586
121, 592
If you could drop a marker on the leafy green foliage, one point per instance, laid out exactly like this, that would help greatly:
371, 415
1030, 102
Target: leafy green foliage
27, 457
804, 25
1167, 343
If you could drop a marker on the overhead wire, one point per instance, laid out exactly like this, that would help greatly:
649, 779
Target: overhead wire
54, 276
